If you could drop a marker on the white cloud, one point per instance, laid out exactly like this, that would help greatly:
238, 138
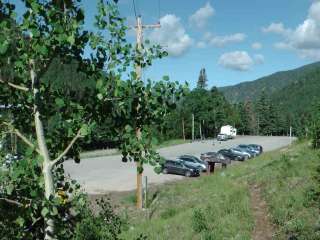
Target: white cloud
305, 38
258, 59
221, 41
201, 44
256, 45
201, 16
283, 46
172, 36
238, 60
275, 28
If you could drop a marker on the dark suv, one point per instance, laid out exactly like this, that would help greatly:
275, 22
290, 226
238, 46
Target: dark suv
178, 167
231, 155
214, 157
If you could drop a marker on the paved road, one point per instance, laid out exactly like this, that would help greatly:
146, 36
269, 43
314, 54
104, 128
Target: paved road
106, 174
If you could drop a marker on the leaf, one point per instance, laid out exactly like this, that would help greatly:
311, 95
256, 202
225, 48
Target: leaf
44, 211
99, 84
9, 189
100, 96
165, 78
54, 211
20, 221
84, 131
4, 47
59, 102
128, 128
158, 169
71, 39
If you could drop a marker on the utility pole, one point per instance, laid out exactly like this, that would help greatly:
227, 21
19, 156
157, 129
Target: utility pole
139, 31
183, 132
192, 127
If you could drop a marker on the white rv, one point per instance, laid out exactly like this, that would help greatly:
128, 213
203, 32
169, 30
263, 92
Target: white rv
228, 130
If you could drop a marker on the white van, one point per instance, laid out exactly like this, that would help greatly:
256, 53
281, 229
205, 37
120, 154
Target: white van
228, 130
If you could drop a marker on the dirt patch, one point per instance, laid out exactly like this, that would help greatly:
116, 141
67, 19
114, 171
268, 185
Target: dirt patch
264, 229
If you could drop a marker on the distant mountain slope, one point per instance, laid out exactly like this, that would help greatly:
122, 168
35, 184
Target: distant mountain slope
298, 97
274, 83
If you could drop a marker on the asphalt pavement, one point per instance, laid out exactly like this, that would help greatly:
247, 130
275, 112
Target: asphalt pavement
101, 175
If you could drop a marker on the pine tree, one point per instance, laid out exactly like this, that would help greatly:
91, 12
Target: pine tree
263, 115
202, 80
315, 126
244, 119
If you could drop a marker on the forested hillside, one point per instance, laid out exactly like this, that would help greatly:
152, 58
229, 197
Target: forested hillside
251, 91
285, 98
299, 97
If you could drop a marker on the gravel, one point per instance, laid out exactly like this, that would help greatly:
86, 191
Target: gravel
101, 175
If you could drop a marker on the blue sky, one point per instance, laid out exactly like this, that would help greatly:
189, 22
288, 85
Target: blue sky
234, 41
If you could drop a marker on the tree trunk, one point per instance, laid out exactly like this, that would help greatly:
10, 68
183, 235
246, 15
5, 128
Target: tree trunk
46, 165
46, 171
183, 132
139, 176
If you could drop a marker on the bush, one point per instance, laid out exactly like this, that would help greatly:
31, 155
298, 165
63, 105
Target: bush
199, 222
24, 206
315, 126
105, 225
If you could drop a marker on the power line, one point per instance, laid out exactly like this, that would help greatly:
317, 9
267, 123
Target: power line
159, 10
134, 8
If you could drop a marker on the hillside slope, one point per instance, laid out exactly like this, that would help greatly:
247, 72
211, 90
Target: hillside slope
224, 205
298, 97
273, 84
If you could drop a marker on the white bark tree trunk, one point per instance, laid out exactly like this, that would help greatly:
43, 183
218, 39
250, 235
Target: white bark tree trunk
46, 165
46, 171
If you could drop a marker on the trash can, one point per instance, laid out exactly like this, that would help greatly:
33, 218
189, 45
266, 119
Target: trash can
210, 167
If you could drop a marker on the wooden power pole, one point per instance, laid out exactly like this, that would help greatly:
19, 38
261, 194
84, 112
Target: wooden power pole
192, 127
139, 31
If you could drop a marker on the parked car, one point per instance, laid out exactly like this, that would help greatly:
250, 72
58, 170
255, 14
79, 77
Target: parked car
257, 147
214, 157
193, 161
178, 167
9, 159
231, 155
241, 152
222, 137
249, 149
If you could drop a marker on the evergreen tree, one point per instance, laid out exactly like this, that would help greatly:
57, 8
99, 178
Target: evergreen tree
243, 118
315, 126
262, 109
202, 80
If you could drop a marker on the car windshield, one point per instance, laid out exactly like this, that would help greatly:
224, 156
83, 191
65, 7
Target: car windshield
192, 159
188, 160
237, 149
243, 146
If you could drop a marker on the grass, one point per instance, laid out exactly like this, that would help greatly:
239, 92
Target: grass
171, 142
218, 206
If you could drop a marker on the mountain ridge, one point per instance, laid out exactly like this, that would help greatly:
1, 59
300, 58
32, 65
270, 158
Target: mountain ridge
251, 90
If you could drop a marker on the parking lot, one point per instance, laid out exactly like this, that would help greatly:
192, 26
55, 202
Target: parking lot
105, 174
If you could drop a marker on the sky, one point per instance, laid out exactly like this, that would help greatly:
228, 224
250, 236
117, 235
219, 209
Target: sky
235, 41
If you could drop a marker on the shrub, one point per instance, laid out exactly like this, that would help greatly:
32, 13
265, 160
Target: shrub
105, 225
24, 206
199, 222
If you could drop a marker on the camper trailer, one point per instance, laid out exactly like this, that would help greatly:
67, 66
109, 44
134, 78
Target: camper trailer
228, 130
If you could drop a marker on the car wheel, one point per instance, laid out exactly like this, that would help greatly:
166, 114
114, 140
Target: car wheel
165, 171
188, 174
